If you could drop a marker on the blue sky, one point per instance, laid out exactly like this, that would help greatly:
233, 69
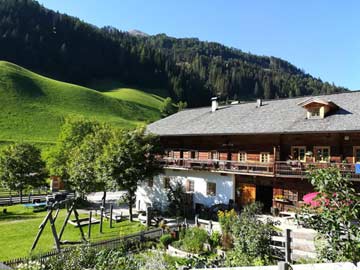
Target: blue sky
320, 36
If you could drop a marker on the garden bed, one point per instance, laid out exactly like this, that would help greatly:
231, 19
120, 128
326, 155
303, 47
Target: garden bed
173, 251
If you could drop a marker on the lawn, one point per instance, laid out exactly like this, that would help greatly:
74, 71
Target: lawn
19, 227
33, 107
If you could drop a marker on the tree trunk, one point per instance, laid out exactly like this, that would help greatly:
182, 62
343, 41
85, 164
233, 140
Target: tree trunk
103, 200
130, 209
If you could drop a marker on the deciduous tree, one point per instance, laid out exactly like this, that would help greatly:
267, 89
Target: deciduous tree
21, 167
83, 176
336, 216
128, 159
72, 133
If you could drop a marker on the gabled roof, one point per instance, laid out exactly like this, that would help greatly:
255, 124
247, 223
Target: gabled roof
319, 101
275, 116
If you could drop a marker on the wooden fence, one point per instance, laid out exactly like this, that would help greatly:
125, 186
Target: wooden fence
288, 245
26, 199
106, 244
291, 246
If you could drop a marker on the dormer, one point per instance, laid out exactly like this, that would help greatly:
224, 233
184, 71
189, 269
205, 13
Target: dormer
317, 108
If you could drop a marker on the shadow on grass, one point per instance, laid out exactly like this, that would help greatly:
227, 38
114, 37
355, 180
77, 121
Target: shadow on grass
9, 216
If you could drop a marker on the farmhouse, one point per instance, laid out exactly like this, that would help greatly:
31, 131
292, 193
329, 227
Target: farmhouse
255, 151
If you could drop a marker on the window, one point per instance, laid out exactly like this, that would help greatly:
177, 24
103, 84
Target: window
211, 189
150, 182
242, 157
214, 155
169, 153
356, 154
322, 153
291, 195
190, 185
314, 113
298, 153
264, 157
166, 182
194, 154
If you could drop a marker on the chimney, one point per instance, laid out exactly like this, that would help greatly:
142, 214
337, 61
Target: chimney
258, 102
214, 104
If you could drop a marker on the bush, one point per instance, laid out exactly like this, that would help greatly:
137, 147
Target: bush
114, 259
176, 198
166, 240
79, 258
30, 265
226, 219
193, 240
252, 239
215, 239
335, 217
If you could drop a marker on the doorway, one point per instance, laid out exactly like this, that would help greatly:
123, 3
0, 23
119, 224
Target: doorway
264, 194
245, 194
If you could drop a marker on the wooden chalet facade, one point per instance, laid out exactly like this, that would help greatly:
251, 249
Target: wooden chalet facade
263, 165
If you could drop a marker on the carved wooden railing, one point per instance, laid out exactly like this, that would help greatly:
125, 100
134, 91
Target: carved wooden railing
301, 169
292, 169
220, 165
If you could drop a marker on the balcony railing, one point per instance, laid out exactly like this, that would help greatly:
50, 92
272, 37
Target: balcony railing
254, 168
291, 169
301, 169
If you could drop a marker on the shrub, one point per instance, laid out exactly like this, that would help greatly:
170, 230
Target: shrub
226, 219
154, 261
114, 259
215, 239
79, 258
30, 265
166, 240
194, 240
176, 197
334, 217
252, 239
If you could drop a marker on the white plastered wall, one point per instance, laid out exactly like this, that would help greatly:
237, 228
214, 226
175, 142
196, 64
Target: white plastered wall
157, 194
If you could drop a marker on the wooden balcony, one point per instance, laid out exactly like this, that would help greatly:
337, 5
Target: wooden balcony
226, 166
284, 169
294, 169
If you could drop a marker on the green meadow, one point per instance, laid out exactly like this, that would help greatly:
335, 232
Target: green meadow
33, 107
20, 225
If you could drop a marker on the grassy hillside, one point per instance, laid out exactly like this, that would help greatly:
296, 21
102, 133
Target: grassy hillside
32, 107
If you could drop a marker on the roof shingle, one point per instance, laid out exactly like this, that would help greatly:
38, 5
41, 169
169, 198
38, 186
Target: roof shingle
275, 116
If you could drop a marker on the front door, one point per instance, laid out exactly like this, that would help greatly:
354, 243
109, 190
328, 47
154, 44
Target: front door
247, 193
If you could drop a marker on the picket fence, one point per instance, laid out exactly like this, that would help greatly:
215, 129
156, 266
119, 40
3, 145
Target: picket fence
105, 244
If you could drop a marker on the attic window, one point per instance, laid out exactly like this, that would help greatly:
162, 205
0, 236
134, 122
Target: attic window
318, 108
315, 113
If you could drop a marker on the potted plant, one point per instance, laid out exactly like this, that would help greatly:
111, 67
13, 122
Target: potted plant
280, 198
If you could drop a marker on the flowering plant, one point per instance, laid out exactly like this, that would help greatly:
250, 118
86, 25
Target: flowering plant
31, 265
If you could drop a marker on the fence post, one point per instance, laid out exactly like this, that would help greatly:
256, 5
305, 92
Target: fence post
111, 215
148, 216
197, 220
210, 226
89, 228
287, 246
283, 266
101, 218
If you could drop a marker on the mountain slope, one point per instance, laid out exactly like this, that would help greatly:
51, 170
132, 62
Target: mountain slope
68, 49
32, 107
